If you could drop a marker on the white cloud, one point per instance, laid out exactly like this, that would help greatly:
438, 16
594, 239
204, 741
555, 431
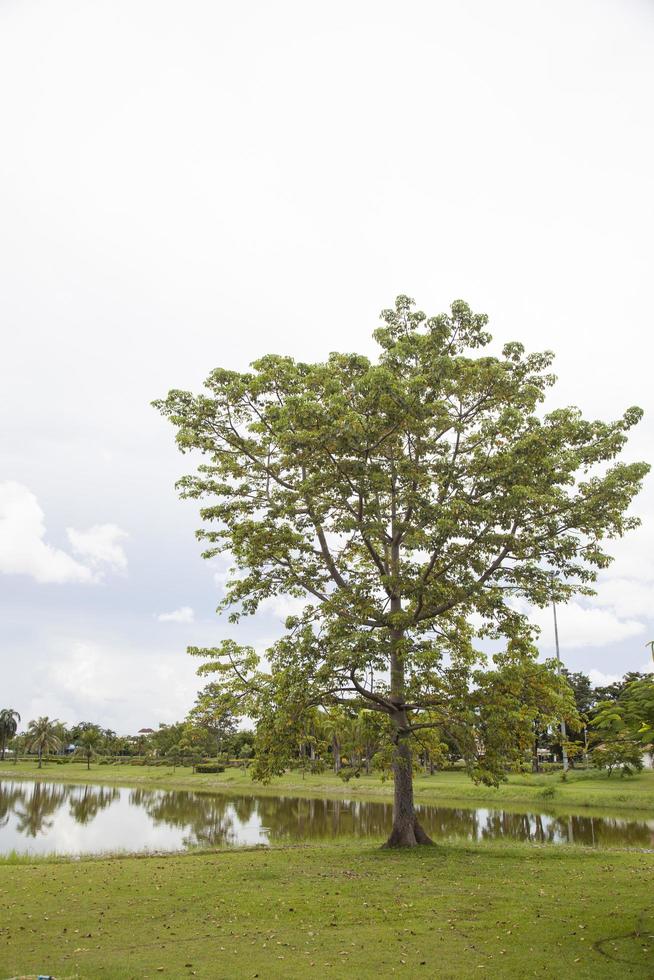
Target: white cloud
627, 586
600, 679
182, 615
84, 679
99, 545
634, 553
85, 219
23, 550
584, 626
283, 606
626, 597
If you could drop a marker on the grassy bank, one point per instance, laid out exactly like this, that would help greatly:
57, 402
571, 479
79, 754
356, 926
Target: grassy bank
590, 789
347, 910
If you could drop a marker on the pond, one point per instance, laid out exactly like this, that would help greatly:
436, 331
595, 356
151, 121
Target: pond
44, 818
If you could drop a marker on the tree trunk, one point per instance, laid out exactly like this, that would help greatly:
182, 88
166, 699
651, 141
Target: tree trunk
40, 757
406, 831
336, 752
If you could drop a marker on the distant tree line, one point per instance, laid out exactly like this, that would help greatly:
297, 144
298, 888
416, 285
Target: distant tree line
210, 731
615, 726
614, 729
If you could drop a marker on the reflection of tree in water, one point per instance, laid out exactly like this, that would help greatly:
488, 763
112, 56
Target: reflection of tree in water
245, 807
208, 819
10, 795
286, 817
214, 820
85, 805
450, 821
33, 811
537, 827
612, 830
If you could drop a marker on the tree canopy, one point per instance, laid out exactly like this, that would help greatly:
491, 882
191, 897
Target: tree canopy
415, 503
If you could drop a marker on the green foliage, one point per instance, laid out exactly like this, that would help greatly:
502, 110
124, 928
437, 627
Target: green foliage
212, 723
624, 726
401, 498
209, 767
166, 737
9, 719
89, 741
42, 737
631, 712
174, 755
622, 753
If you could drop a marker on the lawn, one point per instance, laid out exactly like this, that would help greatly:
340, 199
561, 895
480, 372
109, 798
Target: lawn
350, 910
582, 789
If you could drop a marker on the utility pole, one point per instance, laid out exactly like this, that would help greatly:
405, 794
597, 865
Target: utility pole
564, 735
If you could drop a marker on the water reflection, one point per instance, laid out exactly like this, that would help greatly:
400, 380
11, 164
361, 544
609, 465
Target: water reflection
85, 807
45, 817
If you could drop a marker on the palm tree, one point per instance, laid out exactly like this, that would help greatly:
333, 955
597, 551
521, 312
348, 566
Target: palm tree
8, 726
334, 723
41, 736
88, 743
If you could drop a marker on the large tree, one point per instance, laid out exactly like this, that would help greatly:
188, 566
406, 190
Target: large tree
415, 502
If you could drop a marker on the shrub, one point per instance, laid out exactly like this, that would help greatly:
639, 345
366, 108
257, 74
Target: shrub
209, 767
623, 754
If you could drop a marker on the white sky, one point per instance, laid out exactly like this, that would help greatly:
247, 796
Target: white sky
186, 185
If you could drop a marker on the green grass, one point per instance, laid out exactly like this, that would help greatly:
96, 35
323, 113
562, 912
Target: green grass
350, 910
590, 789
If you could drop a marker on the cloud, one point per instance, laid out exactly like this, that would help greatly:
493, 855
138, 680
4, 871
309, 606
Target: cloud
182, 615
584, 626
24, 551
626, 597
99, 545
282, 606
627, 586
600, 679
86, 679
633, 554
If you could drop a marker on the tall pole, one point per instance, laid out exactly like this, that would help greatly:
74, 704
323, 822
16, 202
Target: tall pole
558, 670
